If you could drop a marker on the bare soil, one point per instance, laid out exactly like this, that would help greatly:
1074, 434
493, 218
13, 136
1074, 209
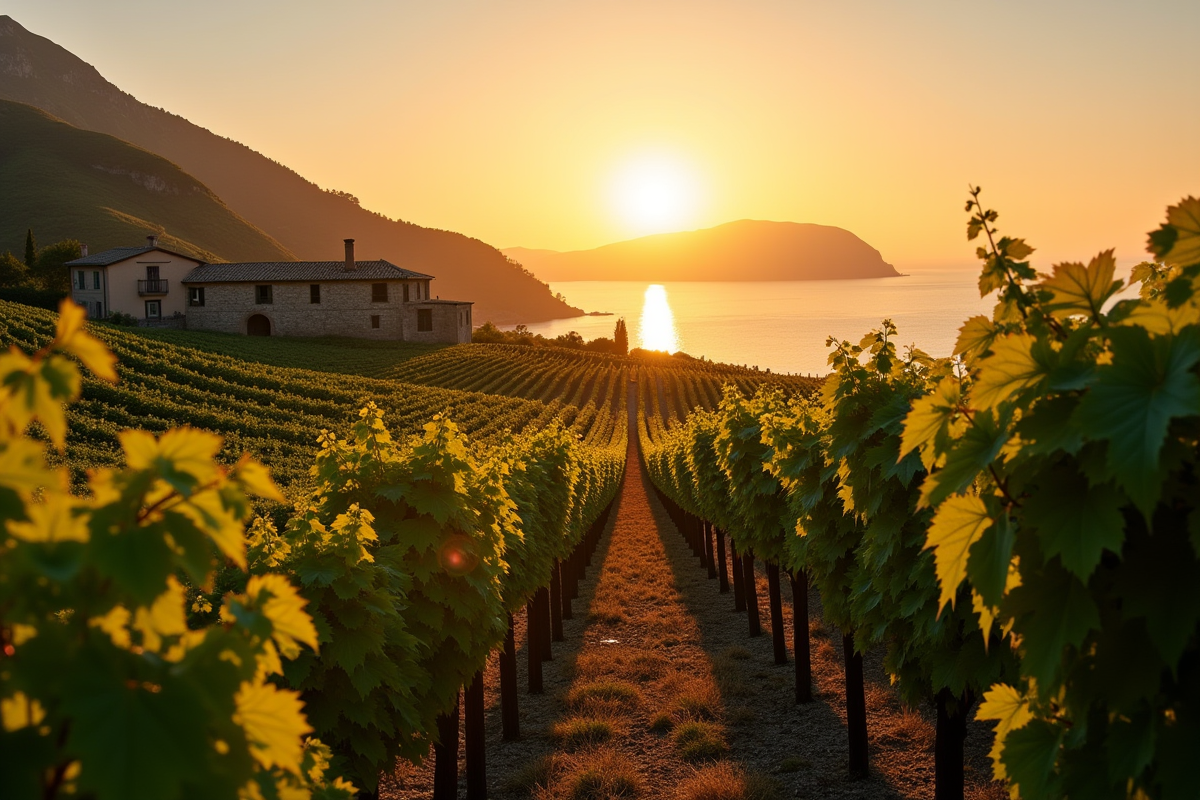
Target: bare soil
655, 658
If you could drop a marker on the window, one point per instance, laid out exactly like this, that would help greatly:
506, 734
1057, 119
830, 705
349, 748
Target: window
314, 293
99, 310
80, 280
406, 292
374, 320
151, 273
262, 295
196, 296
96, 279
379, 293
424, 319
153, 309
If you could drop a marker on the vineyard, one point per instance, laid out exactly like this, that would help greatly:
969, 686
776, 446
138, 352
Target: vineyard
244, 572
1014, 525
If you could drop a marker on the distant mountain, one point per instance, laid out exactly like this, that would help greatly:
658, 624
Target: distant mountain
747, 250
304, 218
69, 183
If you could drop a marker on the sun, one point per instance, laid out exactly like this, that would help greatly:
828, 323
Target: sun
655, 193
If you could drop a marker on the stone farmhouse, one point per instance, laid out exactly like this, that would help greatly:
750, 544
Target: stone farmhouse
362, 299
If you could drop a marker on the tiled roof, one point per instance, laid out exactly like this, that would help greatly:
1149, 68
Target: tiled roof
116, 254
281, 271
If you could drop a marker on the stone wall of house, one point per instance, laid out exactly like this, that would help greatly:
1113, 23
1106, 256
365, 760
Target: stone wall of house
451, 322
346, 309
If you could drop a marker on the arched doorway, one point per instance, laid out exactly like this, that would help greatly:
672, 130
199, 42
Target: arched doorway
258, 325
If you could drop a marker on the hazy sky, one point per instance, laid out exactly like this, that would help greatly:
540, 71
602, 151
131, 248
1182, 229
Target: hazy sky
526, 123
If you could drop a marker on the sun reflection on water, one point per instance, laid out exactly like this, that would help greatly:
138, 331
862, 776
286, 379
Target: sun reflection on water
657, 326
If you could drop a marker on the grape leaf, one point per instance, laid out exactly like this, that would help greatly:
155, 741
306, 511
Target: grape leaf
1077, 290
284, 606
1158, 583
274, 722
71, 337
1010, 710
1054, 612
1133, 400
1017, 362
930, 415
1030, 753
957, 524
975, 336
972, 453
1076, 521
990, 559
1178, 240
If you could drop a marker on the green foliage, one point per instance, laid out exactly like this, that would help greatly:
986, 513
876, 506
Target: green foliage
50, 271
31, 250
13, 272
621, 337
105, 690
1074, 531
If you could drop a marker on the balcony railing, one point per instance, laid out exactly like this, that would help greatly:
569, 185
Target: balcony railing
153, 286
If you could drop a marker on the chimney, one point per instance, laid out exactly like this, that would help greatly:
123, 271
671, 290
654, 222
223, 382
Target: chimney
349, 255
152, 240
83, 250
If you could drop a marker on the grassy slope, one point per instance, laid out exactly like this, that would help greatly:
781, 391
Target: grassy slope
309, 221
69, 183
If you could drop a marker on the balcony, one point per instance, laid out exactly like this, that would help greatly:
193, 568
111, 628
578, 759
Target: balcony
153, 286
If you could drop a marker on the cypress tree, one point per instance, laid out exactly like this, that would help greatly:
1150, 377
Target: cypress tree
30, 249
621, 337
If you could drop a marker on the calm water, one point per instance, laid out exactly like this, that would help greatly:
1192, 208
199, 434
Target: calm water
777, 325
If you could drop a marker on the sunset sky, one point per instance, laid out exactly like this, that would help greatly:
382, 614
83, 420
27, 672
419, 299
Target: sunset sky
568, 125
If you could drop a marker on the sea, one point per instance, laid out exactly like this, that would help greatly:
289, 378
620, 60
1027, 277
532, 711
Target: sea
782, 326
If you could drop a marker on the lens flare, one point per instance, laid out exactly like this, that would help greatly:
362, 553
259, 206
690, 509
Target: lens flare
657, 326
456, 555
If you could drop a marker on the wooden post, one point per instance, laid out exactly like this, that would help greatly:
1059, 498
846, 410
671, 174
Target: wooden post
569, 591
445, 756
533, 646
510, 716
542, 603
948, 746
800, 643
775, 596
722, 567
710, 555
556, 603
856, 709
750, 588
739, 590
474, 741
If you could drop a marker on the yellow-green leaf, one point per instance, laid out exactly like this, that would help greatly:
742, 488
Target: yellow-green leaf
958, 523
274, 722
19, 711
1077, 290
1178, 241
1010, 368
1010, 710
975, 336
285, 608
256, 479
52, 521
930, 414
180, 452
72, 338
208, 512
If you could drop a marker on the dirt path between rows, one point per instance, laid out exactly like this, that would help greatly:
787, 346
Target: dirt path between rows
658, 692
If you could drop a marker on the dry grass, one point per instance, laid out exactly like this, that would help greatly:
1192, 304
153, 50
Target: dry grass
700, 741
604, 698
599, 774
577, 733
724, 781
535, 775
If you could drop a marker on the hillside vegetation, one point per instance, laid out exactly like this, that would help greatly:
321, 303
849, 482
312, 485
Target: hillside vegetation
304, 218
274, 412
67, 183
746, 250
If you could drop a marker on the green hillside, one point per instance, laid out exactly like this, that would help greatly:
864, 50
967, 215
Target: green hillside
67, 183
308, 220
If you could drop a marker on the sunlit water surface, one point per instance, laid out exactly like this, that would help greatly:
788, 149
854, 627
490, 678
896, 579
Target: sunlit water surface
777, 325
